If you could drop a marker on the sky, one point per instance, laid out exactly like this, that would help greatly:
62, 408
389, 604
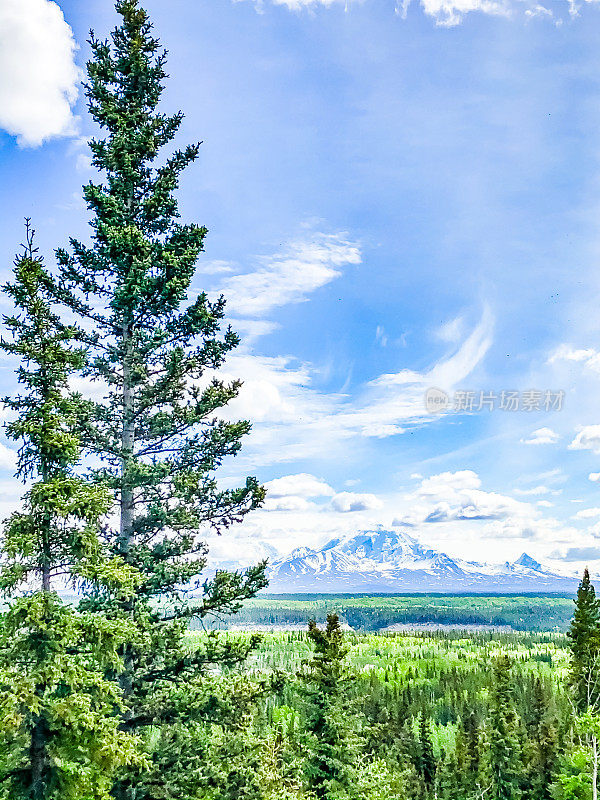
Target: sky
401, 197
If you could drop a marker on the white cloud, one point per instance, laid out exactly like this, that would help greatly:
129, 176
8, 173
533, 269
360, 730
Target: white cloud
542, 436
445, 13
588, 438
38, 75
8, 457
293, 419
290, 503
299, 5
534, 490
589, 357
451, 331
293, 492
381, 336
538, 11
448, 13
438, 485
304, 267
458, 496
594, 476
302, 485
587, 513
470, 521
214, 267
351, 501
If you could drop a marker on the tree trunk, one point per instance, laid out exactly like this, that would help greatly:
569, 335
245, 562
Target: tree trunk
126, 526
38, 760
126, 505
595, 768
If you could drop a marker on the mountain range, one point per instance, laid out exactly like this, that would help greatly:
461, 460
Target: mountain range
393, 561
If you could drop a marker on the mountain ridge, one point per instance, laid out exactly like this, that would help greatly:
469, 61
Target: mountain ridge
387, 561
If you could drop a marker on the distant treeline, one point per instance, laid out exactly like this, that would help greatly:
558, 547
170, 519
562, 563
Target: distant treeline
539, 612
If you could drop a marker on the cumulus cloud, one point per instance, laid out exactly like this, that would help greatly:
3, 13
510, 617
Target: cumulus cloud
296, 492
463, 511
594, 476
38, 75
289, 503
302, 484
542, 436
588, 438
458, 496
351, 501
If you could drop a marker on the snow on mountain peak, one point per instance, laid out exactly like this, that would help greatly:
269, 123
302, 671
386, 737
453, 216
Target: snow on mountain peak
381, 560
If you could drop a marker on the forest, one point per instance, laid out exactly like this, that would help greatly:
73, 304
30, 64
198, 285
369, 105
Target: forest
532, 612
112, 682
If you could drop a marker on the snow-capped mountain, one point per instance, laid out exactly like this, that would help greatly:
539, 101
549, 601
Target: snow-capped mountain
392, 561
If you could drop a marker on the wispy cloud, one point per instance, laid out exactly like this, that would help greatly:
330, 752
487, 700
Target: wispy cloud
445, 13
279, 280
293, 419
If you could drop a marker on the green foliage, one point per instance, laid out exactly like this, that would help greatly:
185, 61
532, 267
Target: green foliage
376, 612
59, 734
397, 683
576, 780
584, 634
427, 765
328, 771
502, 768
159, 434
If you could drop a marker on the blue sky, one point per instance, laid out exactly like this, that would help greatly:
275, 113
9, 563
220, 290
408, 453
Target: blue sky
398, 197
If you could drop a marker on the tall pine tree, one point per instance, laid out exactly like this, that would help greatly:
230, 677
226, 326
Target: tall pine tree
158, 433
328, 764
427, 757
502, 764
584, 635
59, 737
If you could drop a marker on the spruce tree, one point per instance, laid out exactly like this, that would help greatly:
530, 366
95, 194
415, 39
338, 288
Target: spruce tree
157, 434
427, 765
502, 770
328, 764
160, 433
542, 747
584, 635
59, 736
